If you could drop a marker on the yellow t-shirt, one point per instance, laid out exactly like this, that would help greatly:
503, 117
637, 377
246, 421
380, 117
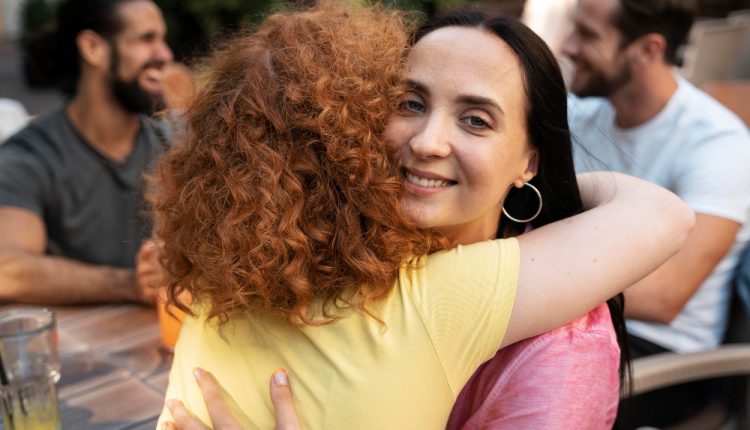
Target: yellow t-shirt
442, 320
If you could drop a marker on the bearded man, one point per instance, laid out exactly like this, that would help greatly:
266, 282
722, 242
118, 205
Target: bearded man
71, 182
634, 114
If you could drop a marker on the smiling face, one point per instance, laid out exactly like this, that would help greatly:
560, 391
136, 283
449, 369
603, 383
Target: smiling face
602, 65
460, 132
139, 55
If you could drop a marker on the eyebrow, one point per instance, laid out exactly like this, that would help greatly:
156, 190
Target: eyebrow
585, 28
463, 99
481, 101
416, 86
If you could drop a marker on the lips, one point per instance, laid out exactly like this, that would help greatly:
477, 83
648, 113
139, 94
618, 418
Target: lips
421, 182
424, 182
153, 75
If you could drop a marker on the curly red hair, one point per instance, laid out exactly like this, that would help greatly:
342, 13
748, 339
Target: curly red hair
282, 193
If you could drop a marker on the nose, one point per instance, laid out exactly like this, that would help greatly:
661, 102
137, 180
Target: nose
163, 52
433, 139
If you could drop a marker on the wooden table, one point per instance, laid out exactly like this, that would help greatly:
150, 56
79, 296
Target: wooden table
114, 374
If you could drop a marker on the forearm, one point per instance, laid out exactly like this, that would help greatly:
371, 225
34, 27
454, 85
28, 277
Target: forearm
26, 277
662, 295
648, 300
571, 266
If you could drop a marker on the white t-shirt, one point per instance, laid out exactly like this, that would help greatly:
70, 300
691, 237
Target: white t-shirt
699, 150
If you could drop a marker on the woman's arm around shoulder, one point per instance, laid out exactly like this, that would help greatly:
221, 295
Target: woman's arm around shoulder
569, 267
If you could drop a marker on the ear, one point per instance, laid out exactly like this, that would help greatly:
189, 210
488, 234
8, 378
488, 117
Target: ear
651, 48
94, 49
532, 166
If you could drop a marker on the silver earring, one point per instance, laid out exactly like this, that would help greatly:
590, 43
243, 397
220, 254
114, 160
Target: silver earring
536, 214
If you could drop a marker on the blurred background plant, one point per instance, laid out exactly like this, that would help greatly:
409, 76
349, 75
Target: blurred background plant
195, 25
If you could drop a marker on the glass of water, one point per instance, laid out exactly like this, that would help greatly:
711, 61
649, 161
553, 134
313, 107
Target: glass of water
29, 369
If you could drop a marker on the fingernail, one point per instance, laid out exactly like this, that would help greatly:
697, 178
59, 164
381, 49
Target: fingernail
171, 403
279, 377
198, 373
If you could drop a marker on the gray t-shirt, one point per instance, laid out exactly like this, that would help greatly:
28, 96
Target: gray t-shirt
92, 206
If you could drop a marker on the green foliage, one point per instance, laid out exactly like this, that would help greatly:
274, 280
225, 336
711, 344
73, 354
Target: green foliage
35, 15
220, 15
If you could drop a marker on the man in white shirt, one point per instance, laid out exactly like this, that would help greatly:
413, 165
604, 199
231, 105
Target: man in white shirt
633, 114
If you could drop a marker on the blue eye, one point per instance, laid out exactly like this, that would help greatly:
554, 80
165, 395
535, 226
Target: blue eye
475, 121
412, 105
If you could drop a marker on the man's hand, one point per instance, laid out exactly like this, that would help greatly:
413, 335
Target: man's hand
218, 411
27, 275
149, 273
179, 87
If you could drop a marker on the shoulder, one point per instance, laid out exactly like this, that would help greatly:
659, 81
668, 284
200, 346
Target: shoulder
713, 142
474, 264
703, 117
160, 132
481, 252
43, 134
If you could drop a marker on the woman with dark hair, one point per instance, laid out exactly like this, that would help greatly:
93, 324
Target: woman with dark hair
568, 377
305, 244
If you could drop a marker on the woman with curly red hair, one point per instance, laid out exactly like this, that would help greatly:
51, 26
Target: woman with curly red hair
306, 242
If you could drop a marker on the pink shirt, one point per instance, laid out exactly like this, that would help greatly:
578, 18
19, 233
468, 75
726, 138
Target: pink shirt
564, 379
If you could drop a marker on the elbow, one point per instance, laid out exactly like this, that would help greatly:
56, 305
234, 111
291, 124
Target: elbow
661, 310
671, 306
679, 219
666, 315
688, 220
11, 285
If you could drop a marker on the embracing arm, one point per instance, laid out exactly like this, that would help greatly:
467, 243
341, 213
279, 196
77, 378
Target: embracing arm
29, 276
571, 266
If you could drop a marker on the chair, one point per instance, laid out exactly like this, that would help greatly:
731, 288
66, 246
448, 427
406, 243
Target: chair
730, 359
716, 50
742, 65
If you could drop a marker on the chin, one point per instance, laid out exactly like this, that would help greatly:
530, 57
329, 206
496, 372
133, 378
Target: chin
418, 214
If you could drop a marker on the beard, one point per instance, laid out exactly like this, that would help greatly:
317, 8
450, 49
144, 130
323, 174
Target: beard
129, 93
601, 85
133, 98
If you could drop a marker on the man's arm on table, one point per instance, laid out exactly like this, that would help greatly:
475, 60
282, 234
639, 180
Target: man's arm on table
660, 296
29, 276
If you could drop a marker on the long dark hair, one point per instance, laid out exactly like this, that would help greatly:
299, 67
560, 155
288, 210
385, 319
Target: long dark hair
549, 134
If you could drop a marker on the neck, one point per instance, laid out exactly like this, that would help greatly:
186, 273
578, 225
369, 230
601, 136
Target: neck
102, 120
644, 96
475, 231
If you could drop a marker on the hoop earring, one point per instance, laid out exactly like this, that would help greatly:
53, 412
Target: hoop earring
536, 214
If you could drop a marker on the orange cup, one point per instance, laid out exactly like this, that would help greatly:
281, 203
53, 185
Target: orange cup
169, 325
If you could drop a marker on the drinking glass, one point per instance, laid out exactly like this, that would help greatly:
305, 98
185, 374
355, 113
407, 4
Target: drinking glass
29, 369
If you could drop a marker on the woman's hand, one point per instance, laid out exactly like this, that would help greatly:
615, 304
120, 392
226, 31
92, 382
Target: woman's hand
218, 411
